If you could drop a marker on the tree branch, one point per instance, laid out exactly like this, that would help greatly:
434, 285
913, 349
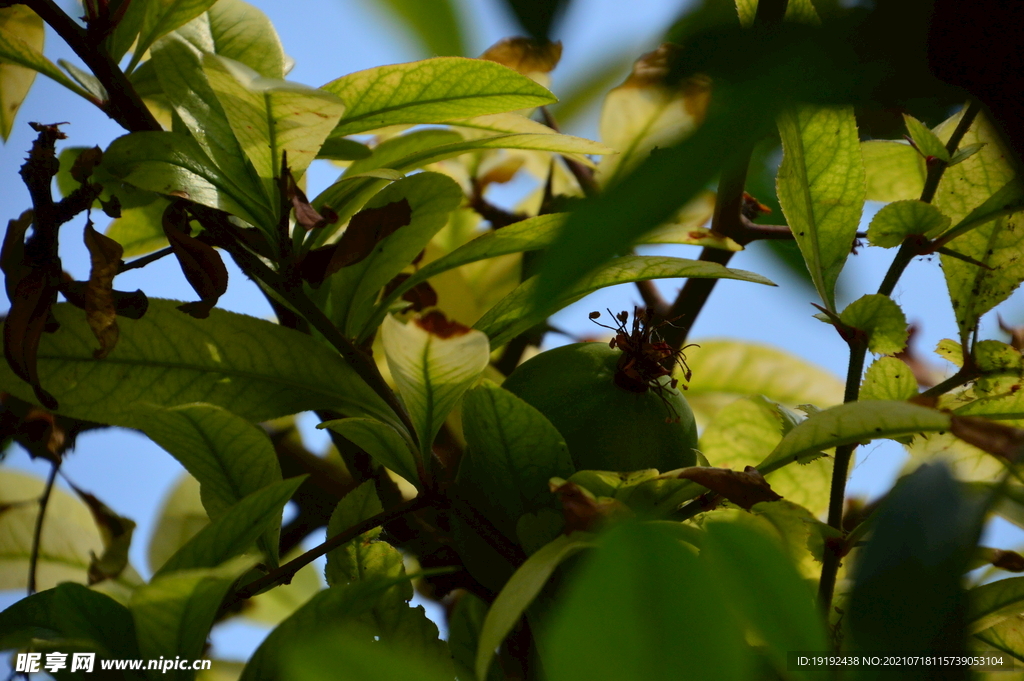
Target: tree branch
37, 534
124, 106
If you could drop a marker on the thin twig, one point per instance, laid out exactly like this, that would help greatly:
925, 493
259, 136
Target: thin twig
584, 175
284, 574
145, 260
37, 535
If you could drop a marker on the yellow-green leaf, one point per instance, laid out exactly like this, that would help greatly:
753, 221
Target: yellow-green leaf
181, 516
821, 188
385, 444
15, 80
927, 142
898, 220
881, 320
894, 171
160, 18
432, 91
18, 40
888, 378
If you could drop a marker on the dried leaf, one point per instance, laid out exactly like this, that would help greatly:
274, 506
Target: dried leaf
28, 317
116, 532
1005, 442
525, 55
583, 512
365, 230
84, 164
436, 324
130, 304
744, 488
1016, 333
305, 214
1011, 561
100, 311
421, 296
200, 262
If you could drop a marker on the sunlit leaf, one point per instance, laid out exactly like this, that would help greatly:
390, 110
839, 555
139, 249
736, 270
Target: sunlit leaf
230, 457
974, 290
888, 378
821, 188
160, 18
434, 363
385, 444
800, 11
746, 431
239, 31
512, 452
898, 220
251, 367
927, 142
516, 312
894, 171
140, 230
272, 117
881, 320
15, 80
235, 530
432, 91
994, 602
519, 592
853, 422
628, 615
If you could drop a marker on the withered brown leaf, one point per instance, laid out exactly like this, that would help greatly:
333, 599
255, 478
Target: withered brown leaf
201, 263
525, 55
365, 230
100, 310
743, 488
997, 439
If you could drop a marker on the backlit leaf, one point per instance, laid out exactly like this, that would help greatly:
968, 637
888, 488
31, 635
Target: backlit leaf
15, 81
881, 320
894, 171
516, 312
18, 48
251, 367
821, 188
433, 362
927, 142
888, 378
385, 444
239, 31
160, 18
896, 221
432, 91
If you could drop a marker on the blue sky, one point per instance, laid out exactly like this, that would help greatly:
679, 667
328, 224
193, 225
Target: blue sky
329, 38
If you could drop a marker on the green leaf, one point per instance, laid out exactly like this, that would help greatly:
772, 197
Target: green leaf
1005, 636
385, 444
726, 369
800, 11
366, 556
88, 81
21, 22
432, 372
997, 408
360, 657
249, 366
140, 230
1009, 199
464, 627
894, 171
68, 542
272, 117
390, 151
343, 149
520, 591
888, 378
230, 457
516, 312
821, 188
898, 220
853, 422
746, 431
181, 516
995, 602
907, 591
240, 31
531, 234
927, 142
354, 289
70, 616
18, 40
975, 290
881, 320
951, 351
174, 612
629, 615
766, 591
122, 38
179, 68
174, 164
434, 24
236, 529
432, 91
162, 17
512, 452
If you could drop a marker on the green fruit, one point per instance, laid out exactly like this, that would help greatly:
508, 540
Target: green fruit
607, 427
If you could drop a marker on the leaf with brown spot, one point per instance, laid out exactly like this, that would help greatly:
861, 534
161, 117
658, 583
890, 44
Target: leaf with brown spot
583, 512
436, 324
1005, 442
116, 532
200, 262
421, 296
100, 311
525, 55
365, 230
744, 488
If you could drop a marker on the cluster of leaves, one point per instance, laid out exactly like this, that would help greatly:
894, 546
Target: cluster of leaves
403, 297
